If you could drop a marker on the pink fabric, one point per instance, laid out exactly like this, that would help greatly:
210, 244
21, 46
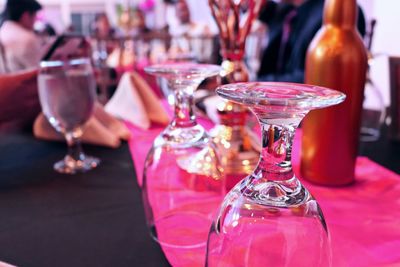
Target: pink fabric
142, 141
363, 219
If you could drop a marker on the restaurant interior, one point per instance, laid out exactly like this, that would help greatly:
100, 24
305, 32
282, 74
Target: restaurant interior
199, 133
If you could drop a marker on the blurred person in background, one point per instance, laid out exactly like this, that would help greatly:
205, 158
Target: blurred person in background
101, 27
190, 39
45, 30
292, 24
19, 98
139, 22
102, 42
21, 47
180, 22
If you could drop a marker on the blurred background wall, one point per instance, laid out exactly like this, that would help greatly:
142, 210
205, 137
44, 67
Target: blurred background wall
80, 13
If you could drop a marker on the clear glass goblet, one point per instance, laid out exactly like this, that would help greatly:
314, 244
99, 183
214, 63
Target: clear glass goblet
183, 182
67, 91
269, 218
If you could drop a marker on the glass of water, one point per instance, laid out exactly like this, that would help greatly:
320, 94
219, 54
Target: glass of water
67, 91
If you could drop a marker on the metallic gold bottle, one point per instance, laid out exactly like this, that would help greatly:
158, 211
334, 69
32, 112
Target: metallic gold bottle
336, 59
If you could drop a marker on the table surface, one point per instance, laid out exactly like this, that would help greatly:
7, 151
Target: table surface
92, 219
49, 219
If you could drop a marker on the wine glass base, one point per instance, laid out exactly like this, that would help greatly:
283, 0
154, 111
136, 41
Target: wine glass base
71, 166
184, 230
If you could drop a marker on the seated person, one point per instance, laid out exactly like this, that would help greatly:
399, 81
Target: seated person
180, 21
21, 47
284, 57
102, 39
189, 38
19, 100
139, 23
101, 27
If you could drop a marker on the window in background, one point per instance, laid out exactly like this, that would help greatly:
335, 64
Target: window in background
81, 22
82, 17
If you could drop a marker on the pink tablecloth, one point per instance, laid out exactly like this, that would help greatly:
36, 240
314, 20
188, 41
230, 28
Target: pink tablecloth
363, 219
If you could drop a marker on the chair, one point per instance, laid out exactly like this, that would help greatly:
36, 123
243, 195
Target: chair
394, 72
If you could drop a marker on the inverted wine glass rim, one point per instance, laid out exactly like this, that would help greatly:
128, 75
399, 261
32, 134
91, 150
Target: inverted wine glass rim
59, 63
179, 68
296, 95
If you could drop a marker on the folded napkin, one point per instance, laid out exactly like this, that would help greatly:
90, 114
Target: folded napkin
101, 129
121, 57
211, 107
135, 101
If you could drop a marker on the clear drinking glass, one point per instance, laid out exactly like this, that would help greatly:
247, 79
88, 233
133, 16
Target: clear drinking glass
183, 181
269, 218
67, 91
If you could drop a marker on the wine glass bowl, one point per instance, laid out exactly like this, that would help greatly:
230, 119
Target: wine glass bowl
67, 92
270, 218
183, 180
190, 73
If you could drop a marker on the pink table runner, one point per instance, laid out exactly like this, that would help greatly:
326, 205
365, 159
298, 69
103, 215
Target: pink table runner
363, 219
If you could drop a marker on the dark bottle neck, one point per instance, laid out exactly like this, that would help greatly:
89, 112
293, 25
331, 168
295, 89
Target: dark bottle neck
340, 13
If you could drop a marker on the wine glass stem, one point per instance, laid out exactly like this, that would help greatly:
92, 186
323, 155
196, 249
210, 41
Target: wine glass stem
184, 115
75, 151
276, 155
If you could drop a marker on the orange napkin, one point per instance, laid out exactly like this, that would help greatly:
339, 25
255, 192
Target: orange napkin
135, 101
101, 129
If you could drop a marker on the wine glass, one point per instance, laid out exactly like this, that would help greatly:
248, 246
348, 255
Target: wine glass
183, 182
67, 91
269, 218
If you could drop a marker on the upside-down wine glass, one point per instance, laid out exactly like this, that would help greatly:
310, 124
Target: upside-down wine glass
67, 91
269, 218
183, 181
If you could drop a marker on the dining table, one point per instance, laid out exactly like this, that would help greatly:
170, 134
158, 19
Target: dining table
97, 219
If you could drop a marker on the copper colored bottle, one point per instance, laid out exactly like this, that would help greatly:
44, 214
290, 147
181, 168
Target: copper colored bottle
336, 59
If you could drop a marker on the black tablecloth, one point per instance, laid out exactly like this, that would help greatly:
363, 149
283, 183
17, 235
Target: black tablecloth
49, 219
